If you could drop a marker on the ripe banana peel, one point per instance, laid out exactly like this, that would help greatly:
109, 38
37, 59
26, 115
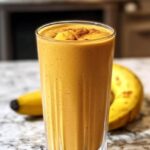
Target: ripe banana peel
128, 95
28, 104
126, 98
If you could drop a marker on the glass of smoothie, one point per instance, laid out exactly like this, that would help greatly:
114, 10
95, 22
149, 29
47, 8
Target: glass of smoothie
75, 60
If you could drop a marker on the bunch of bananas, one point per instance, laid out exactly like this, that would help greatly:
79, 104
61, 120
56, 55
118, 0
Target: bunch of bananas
126, 98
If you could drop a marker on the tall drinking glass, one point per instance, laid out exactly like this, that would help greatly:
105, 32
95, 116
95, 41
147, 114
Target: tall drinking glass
75, 60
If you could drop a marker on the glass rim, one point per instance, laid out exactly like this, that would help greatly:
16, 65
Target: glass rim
75, 21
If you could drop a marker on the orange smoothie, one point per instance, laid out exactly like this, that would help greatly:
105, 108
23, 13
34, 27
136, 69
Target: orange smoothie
75, 68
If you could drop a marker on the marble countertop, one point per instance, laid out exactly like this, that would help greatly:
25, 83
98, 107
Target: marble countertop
23, 133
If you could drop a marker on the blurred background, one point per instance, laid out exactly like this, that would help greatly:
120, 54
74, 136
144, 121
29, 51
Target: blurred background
20, 18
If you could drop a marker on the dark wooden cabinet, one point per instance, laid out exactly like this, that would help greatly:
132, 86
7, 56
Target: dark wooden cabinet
135, 31
19, 19
136, 37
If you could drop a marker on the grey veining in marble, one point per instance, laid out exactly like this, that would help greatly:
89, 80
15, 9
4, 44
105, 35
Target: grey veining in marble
23, 133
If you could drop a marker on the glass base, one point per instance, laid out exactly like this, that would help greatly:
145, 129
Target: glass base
104, 146
104, 143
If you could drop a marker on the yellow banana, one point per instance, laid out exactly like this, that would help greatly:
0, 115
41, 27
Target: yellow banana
126, 98
28, 104
128, 95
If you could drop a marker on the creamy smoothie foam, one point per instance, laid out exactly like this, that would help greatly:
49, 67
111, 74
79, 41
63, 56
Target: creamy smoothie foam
75, 65
75, 32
